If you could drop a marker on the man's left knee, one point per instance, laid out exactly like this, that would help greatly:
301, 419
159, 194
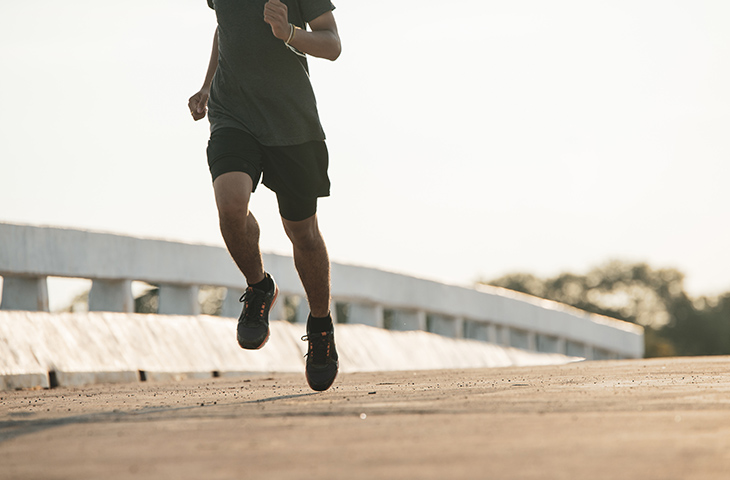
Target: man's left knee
303, 234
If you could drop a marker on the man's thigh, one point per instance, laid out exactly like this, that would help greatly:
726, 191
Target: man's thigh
233, 150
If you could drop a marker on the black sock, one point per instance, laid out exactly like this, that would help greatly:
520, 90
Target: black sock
319, 325
264, 285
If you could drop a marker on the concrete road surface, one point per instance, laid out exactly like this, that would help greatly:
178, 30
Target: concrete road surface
645, 419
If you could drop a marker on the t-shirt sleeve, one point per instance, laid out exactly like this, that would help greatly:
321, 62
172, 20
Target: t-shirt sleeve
211, 4
312, 9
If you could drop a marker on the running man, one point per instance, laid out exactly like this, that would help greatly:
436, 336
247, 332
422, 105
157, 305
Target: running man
264, 122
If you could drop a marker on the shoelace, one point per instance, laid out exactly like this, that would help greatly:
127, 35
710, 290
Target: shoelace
254, 303
319, 347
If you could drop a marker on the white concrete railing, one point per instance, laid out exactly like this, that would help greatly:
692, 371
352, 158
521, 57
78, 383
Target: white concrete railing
28, 255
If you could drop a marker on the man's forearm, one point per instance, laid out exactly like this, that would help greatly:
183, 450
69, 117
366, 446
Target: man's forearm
318, 43
212, 64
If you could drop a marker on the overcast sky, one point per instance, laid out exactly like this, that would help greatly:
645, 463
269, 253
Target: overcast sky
467, 139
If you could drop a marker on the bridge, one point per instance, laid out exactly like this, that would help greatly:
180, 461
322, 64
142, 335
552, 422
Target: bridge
543, 415
362, 297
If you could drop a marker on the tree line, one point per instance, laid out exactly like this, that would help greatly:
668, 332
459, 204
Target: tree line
675, 323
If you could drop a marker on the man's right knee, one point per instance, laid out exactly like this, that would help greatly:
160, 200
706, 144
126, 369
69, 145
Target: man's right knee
232, 194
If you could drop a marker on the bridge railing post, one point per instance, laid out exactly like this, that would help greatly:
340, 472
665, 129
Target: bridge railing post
25, 293
366, 314
408, 320
179, 300
111, 296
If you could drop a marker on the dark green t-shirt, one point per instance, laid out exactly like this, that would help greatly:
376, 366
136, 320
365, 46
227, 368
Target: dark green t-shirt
261, 86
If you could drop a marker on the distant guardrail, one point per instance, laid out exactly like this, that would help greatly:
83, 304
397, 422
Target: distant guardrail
30, 254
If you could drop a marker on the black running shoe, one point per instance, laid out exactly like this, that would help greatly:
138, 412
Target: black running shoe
253, 324
322, 360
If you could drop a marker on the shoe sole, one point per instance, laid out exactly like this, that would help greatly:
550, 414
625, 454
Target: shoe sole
268, 331
321, 388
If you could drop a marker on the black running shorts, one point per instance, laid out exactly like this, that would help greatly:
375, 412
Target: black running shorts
296, 173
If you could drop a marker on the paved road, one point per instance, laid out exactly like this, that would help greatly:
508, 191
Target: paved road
646, 419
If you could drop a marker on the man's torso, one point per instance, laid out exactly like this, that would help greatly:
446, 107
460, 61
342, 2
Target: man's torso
261, 86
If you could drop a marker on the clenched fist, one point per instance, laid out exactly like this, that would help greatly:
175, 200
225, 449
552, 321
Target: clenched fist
276, 14
198, 103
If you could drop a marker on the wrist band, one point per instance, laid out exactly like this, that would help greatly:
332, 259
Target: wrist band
291, 33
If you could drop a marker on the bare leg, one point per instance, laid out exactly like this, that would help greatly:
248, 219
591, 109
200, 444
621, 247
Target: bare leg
239, 227
312, 262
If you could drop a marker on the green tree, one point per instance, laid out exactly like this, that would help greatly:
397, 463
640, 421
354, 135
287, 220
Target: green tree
675, 324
